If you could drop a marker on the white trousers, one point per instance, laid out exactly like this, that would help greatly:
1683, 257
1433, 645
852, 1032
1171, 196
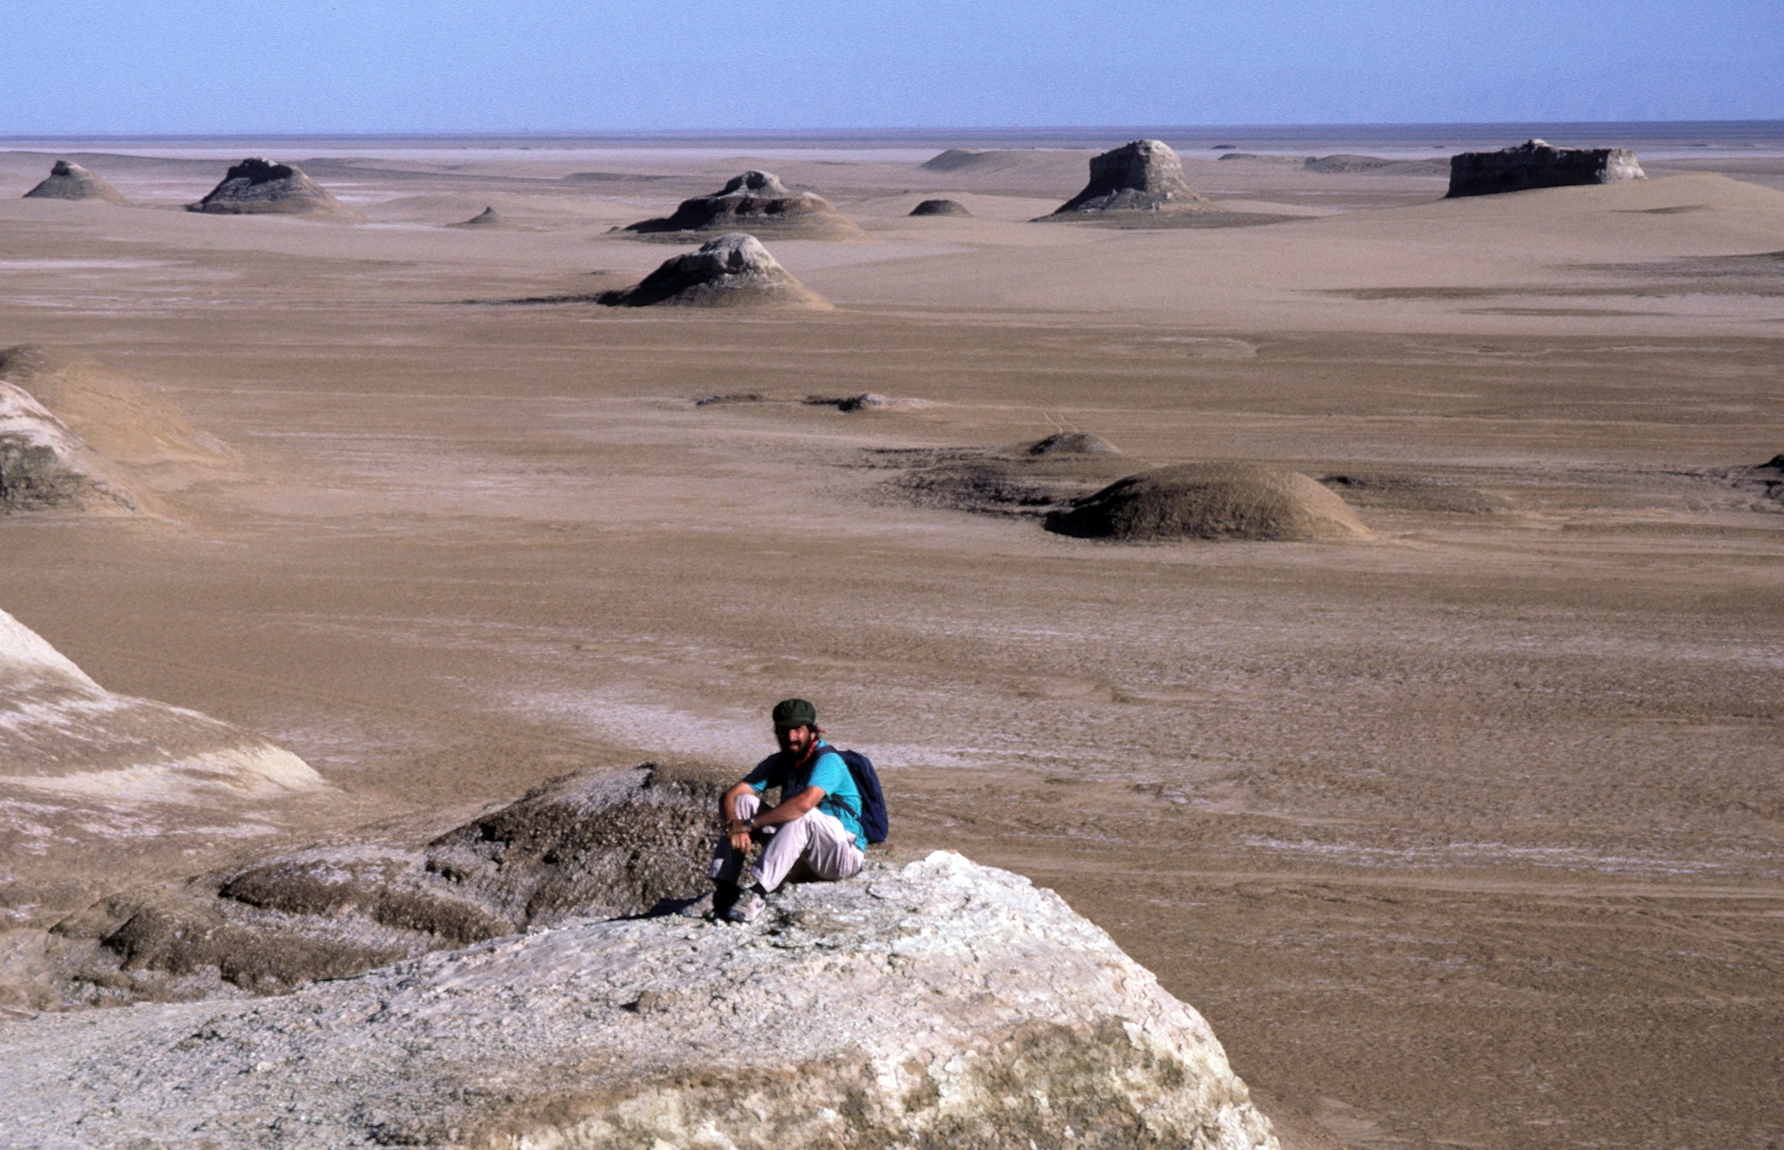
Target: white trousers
815, 844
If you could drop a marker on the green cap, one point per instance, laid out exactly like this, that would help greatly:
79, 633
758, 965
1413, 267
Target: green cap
790, 713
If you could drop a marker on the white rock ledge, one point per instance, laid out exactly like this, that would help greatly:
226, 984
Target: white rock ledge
944, 1004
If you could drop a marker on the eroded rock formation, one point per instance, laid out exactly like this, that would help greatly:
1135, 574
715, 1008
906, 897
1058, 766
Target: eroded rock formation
733, 270
937, 1004
1211, 501
95, 786
1141, 176
1535, 164
940, 208
756, 201
599, 843
259, 186
70, 181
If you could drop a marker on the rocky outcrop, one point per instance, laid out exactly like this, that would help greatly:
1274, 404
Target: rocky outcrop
937, 1004
940, 208
1535, 164
731, 271
46, 467
258, 186
598, 843
757, 202
1141, 176
69, 181
1211, 501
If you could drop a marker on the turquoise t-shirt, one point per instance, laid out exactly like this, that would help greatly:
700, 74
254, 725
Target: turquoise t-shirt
842, 798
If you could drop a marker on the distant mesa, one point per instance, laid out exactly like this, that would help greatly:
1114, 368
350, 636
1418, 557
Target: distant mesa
117, 416
1534, 164
1211, 501
733, 270
1073, 443
940, 208
257, 186
68, 181
1141, 176
759, 202
46, 467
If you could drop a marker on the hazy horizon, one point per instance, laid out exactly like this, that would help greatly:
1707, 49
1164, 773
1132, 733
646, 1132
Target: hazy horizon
97, 66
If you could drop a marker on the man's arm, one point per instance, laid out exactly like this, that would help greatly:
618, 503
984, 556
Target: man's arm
790, 809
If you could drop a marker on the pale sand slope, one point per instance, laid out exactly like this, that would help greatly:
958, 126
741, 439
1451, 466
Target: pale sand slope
100, 791
1492, 798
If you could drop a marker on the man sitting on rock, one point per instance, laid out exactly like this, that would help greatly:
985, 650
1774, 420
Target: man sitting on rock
815, 832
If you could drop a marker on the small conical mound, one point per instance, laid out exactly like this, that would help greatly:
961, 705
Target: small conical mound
940, 208
72, 182
258, 186
1144, 175
1073, 443
487, 218
1212, 501
760, 202
732, 271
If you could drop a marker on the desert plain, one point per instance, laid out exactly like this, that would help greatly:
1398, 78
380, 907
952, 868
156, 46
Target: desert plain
1467, 833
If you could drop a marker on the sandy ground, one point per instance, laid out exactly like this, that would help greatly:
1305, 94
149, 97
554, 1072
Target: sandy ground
1470, 835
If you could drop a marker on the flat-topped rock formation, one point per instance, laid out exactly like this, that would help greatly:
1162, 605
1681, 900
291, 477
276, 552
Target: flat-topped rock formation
70, 181
1212, 501
119, 417
1141, 176
936, 1004
258, 186
756, 201
940, 208
733, 270
1535, 164
46, 467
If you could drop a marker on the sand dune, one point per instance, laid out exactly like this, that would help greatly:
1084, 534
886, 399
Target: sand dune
46, 467
118, 416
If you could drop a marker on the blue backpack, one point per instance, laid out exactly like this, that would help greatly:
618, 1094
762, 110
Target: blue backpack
873, 801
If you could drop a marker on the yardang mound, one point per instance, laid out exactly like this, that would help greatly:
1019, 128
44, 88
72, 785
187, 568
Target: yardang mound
119, 417
940, 208
1534, 164
731, 271
759, 202
1212, 501
937, 1004
72, 182
46, 467
1141, 176
487, 218
1073, 443
258, 186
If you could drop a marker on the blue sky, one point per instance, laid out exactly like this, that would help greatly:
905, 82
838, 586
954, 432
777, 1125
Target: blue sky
184, 66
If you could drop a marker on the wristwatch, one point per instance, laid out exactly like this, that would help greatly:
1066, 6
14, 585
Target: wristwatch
752, 822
